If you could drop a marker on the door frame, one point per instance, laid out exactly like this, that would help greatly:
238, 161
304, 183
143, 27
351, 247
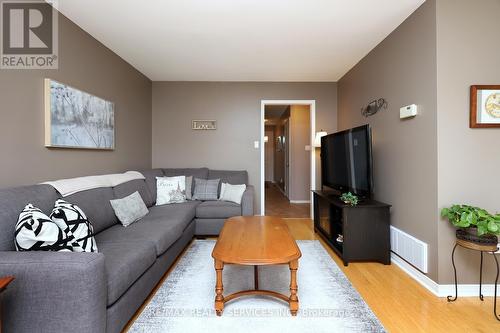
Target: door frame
287, 151
312, 112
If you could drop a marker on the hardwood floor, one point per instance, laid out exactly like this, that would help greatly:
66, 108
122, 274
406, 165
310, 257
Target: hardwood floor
403, 305
400, 303
277, 204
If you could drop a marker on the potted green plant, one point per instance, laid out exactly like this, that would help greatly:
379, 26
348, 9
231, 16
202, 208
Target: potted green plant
474, 224
349, 198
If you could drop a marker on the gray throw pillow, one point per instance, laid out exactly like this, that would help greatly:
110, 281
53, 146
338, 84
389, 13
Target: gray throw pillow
129, 209
189, 187
205, 189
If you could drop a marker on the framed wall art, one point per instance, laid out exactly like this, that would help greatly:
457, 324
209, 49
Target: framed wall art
77, 119
485, 106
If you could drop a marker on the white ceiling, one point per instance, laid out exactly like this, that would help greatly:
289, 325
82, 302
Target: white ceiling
240, 40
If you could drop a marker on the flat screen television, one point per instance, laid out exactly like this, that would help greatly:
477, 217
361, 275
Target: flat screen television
346, 161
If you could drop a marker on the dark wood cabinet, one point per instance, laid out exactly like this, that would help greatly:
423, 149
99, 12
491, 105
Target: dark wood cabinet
355, 233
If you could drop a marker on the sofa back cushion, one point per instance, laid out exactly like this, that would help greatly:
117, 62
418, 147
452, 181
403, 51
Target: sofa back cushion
151, 175
12, 202
230, 177
138, 185
200, 173
96, 205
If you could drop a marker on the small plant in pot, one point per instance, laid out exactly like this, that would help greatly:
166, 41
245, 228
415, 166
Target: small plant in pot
349, 198
474, 224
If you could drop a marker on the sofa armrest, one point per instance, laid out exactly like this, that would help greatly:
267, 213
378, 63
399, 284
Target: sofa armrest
247, 201
54, 292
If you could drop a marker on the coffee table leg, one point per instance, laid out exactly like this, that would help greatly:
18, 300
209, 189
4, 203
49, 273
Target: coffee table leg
293, 300
219, 298
256, 277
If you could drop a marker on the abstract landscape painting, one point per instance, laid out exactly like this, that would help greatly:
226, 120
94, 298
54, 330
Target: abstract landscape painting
76, 119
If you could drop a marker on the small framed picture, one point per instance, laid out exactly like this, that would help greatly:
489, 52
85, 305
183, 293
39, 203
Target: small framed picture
485, 106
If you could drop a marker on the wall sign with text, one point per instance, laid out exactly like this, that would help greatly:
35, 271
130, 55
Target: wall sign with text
204, 124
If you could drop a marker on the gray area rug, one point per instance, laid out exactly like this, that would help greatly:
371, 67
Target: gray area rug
327, 300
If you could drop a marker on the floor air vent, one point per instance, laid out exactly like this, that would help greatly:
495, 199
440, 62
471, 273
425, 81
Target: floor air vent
409, 248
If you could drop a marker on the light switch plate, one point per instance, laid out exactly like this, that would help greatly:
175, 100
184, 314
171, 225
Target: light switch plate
256, 144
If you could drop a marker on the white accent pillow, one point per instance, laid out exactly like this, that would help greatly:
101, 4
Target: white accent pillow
129, 209
233, 193
35, 231
170, 190
72, 220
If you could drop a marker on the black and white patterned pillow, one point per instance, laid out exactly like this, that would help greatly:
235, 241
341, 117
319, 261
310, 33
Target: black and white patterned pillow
35, 231
73, 221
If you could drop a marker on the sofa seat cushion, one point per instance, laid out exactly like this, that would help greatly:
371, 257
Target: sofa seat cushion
217, 210
182, 213
162, 226
125, 262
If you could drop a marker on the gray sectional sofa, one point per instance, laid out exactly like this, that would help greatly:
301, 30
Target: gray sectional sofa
100, 292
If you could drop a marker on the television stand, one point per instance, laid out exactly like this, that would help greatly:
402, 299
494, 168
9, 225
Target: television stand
355, 233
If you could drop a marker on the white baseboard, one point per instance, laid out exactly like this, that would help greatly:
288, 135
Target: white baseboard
418, 276
300, 201
442, 290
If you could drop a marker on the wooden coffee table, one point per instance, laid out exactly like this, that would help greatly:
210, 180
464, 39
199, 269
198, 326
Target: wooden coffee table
4, 282
256, 241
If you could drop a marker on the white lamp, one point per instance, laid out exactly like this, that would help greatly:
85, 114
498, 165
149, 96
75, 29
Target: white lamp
317, 139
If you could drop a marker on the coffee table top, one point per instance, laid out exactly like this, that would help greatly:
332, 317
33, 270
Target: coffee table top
4, 282
256, 240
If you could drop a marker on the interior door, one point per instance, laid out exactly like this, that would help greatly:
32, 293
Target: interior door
286, 146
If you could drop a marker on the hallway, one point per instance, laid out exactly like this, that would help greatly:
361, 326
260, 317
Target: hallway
277, 204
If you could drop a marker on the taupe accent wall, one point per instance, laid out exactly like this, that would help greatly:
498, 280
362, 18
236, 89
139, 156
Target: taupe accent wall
402, 69
434, 160
236, 107
86, 64
468, 52
279, 157
269, 153
300, 161
420, 164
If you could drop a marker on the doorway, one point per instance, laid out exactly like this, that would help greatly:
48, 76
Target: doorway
287, 157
